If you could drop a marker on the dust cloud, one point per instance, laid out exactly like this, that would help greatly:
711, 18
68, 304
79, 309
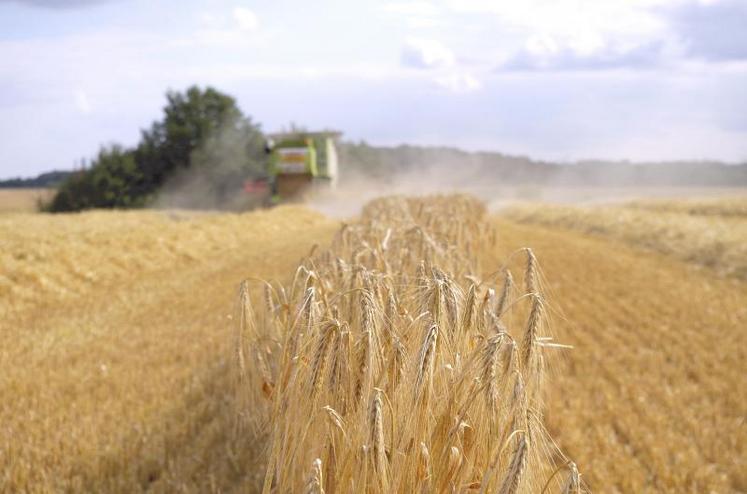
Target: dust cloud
355, 189
219, 171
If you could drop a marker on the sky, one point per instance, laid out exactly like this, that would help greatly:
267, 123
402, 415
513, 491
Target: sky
552, 79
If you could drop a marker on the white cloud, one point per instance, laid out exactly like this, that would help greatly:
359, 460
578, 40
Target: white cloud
573, 18
614, 34
542, 45
81, 102
426, 54
541, 53
61, 4
227, 29
415, 8
458, 82
416, 14
215, 38
209, 20
714, 31
245, 19
554, 31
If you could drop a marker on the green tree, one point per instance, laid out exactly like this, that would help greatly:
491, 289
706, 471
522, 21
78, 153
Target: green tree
202, 131
190, 118
112, 182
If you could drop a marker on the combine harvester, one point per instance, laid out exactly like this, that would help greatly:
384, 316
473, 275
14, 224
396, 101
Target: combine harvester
301, 163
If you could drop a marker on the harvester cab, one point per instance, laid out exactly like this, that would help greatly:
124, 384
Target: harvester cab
300, 163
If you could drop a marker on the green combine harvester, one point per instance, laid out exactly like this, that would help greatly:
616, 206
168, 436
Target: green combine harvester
301, 162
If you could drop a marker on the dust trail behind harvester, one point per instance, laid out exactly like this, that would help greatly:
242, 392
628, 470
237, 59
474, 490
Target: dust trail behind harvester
356, 189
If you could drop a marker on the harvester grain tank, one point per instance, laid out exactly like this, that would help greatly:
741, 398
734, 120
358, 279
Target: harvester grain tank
301, 162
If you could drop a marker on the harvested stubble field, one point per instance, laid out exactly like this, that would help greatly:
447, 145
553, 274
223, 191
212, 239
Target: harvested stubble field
119, 364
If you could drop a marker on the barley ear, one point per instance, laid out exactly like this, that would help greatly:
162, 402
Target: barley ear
315, 485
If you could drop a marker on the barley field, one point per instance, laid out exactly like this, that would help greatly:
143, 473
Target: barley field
22, 200
390, 365
142, 351
708, 232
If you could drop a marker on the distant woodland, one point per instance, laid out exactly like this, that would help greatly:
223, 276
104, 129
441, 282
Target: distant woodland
453, 166
48, 179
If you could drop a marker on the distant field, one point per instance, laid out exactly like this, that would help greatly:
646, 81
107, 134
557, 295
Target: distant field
707, 232
22, 200
725, 206
568, 194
